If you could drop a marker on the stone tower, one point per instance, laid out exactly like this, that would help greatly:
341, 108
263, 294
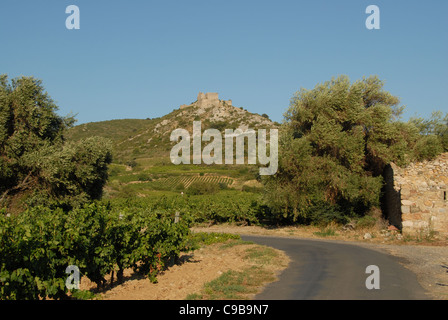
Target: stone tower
207, 100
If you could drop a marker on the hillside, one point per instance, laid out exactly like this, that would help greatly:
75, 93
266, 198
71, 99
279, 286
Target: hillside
142, 146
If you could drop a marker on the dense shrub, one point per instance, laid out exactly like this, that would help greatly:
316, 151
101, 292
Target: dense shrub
201, 188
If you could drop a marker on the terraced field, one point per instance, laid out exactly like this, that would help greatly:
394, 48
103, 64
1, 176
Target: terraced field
186, 181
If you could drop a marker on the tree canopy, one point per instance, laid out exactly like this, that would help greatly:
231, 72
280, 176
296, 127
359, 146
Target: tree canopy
434, 135
334, 144
35, 160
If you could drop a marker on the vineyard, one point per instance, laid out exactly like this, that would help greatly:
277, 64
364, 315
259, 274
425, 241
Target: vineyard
226, 206
105, 238
187, 180
37, 246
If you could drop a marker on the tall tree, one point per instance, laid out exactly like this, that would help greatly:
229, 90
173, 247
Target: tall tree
34, 157
334, 144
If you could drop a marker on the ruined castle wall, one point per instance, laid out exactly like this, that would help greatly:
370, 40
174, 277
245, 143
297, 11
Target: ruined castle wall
207, 100
212, 96
423, 189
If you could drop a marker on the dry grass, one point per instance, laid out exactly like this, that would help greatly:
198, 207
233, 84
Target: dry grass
262, 266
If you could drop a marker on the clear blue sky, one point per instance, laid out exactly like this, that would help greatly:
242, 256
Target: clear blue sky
140, 58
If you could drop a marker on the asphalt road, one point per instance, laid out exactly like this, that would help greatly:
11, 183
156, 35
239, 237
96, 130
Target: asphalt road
324, 270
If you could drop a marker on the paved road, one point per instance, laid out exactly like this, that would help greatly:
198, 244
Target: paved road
323, 270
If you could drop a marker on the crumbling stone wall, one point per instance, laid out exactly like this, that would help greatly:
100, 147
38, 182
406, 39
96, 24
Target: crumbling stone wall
422, 188
207, 100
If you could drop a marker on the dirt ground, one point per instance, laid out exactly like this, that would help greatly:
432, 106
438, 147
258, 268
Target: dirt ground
428, 260
178, 281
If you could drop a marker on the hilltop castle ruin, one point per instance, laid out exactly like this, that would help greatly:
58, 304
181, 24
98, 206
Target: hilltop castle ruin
207, 100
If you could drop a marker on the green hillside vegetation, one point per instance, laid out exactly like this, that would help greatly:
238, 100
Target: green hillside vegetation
334, 143
115, 130
105, 196
148, 141
141, 162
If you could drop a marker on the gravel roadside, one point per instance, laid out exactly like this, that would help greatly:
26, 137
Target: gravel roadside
429, 263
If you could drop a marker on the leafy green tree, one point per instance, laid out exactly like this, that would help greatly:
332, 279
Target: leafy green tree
34, 157
334, 145
433, 135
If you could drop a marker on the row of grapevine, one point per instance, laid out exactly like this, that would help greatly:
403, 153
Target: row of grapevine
221, 208
241, 207
37, 246
172, 182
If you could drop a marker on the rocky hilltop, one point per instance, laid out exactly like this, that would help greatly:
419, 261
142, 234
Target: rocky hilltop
139, 138
208, 106
207, 100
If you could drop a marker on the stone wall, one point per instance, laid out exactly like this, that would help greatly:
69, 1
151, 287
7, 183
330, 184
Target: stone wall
207, 100
422, 188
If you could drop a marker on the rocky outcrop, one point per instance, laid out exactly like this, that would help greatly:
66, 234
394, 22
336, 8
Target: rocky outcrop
209, 107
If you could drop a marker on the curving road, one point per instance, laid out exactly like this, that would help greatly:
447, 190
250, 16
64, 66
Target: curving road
324, 270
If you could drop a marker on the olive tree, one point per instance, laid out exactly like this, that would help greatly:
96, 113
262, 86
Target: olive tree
334, 144
35, 159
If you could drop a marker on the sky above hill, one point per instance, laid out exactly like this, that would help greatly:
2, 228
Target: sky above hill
142, 58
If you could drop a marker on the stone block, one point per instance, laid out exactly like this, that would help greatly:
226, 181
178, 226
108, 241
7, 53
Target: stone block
428, 203
407, 224
416, 216
405, 192
415, 209
406, 217
421, 224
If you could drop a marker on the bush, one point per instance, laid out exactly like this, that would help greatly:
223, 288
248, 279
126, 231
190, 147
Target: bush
201, 188
144, 177
132, 163
179, 187
252, 189
428, 147
324, 214
366, 222
223, 186
219, 125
